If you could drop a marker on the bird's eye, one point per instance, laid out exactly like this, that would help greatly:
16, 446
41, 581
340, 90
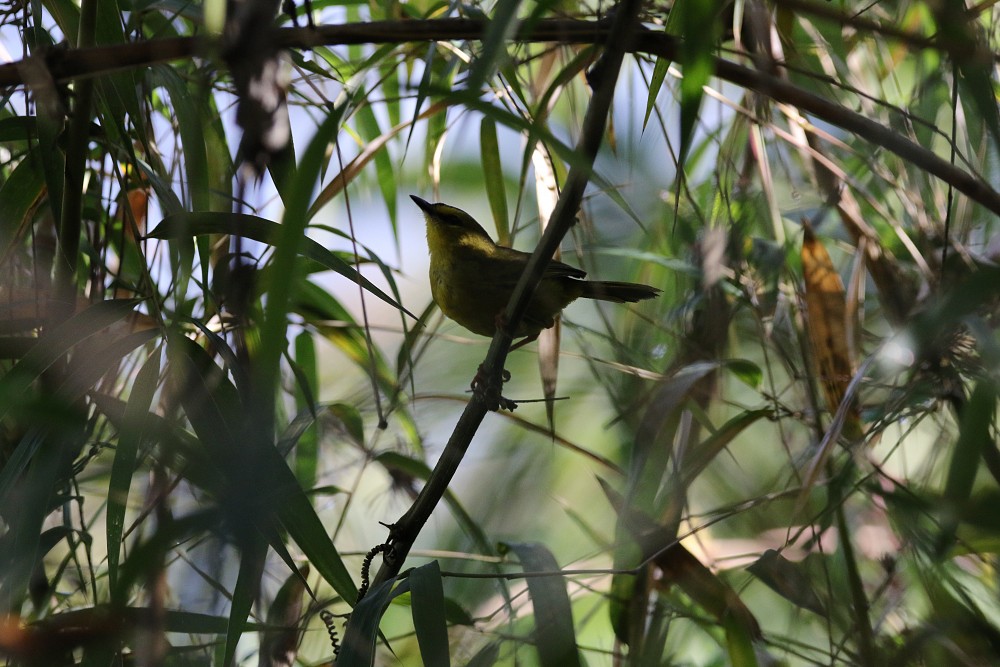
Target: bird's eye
449, 218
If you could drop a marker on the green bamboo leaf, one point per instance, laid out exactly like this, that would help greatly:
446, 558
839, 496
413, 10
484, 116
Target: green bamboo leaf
281, 167
307, 383
748, 372
188, 106
645, 476
303, 420
24, 509
494, 181
252, 558
66, 14
18, 129
679, 567
19, 195
427, 598
555, 636
536, 130
148, 554
246, 461
390, 278
55, 344
974, 437
289, 241
370, 132
130, 438
655, 83
391, 91
790, 580
117, 93
187, 622
493, 53
486, 657
403, 467
320, 308
97, 357
280, 641
437, 122
184, 225
361, 633
739, 643
351, 420
410, 352
699, 457
976, 79
697, 18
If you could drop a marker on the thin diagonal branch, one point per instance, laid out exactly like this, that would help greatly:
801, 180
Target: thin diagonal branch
404, 532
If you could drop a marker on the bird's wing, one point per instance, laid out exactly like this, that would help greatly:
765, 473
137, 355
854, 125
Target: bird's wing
515, 260
559, 270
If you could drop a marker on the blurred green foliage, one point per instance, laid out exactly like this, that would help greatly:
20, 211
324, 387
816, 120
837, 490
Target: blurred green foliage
218, 386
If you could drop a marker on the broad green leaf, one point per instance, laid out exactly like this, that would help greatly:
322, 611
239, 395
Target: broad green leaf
555, 636
427, 598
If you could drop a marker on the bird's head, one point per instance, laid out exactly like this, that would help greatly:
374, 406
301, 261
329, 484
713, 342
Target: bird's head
448, 226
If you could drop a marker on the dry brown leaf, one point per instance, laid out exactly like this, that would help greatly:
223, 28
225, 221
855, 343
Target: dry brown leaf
138, 207
826, 309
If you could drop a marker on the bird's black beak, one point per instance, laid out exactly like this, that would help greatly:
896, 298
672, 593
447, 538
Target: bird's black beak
424, 205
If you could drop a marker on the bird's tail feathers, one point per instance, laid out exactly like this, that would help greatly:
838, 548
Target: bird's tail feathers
618, 292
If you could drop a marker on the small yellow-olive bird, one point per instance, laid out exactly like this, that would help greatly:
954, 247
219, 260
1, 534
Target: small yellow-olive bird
472, 278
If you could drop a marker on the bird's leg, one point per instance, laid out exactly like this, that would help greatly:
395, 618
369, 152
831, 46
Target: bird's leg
481, 377
524, 341
480, 380
501, 323
486, 388
484, 385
